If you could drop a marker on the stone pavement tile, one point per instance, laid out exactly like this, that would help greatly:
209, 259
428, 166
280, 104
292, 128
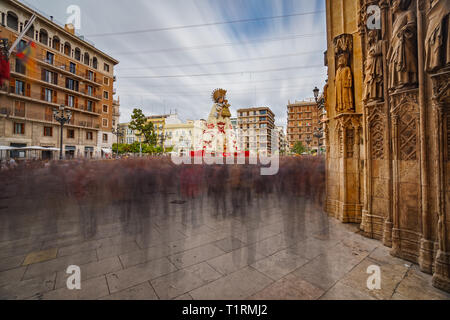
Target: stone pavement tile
269, 246
143, 291
152, 238
11, 276
62, 242
196, 255
415, 287
382, 256
32, 288
279, 264
93, 244
184, 297
195, 241
194, 230
255, 235
140, 256
229, 244
342, 292
235, 260
59, 264
115, 250
177, 283
91, 270
40, 256
13, 251
312, 247
325, 270
391, 275
11, 262
90, 290
123, 279
289, 288
333, 233
359, 242
235, 286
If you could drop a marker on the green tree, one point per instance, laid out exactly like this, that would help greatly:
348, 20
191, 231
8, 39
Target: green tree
298, 148
148, 131
138, 121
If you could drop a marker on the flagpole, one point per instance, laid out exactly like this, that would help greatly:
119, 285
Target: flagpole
22, 34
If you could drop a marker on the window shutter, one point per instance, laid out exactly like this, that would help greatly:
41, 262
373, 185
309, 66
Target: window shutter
55, 79
12, 84
42, 94
55, 96
67, 100
43, 75
76, 102
28, 92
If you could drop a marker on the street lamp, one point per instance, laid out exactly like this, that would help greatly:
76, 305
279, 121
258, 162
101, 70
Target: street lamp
63, 116
316, 93
119, 133
308, 141
318, 134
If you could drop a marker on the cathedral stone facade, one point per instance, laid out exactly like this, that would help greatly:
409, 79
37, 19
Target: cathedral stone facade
388, 126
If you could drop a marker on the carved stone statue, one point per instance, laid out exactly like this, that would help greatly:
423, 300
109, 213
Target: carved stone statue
403, 51
437, 40
373, 80
344, 85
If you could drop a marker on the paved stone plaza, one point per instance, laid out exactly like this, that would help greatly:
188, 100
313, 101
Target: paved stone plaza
279, 249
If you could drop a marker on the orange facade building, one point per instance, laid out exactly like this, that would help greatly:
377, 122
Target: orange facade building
65, 70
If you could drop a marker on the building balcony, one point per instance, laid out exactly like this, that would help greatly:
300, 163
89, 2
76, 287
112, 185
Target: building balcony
55, 102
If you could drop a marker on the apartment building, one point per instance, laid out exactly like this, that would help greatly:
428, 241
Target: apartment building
282, 146
256, 127
303, 122
184, 137
68, 71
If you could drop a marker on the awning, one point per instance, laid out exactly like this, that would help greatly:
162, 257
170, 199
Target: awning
107, 151
3, 148
52, 149
70, 148
34, 148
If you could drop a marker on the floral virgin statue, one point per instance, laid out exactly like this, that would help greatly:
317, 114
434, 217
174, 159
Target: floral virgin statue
218, 136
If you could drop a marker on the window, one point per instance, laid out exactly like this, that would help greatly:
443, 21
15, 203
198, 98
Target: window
48, 131
71, 84
43, 36
50, 58
67, 49
20, 67
71, 101
106, 81
49, 77
90, 106
20, 87
106, 95
19, 109
12, 21
86, 58
89, 135
105, 137
56, 43
90, 90
105, 108
94, 63
70, 134
77, 54
263, 112
106, 67
19, 128
73, 67
48, 95
105, 122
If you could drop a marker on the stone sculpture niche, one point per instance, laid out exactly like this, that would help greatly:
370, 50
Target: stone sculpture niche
437, 40
373, 78
343, 47
402, 54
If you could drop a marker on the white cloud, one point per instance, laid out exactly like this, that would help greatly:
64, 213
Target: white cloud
191, 95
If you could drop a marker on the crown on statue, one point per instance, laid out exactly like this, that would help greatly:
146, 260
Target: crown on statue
218, 93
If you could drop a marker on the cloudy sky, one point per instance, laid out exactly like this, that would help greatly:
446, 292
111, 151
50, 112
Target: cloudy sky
174, 53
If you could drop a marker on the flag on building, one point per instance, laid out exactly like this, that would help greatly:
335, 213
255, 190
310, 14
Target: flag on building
26, 55
4, 61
